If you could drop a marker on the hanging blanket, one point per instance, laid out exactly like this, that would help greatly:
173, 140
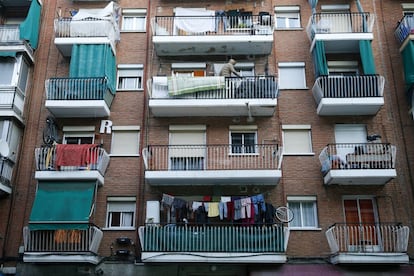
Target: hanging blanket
75, 155
186, 85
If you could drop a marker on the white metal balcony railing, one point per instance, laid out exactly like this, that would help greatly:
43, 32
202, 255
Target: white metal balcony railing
368, 238
6, 170
348, 86
94, 159
255, 87
404, 28
212, 157
9, 33
61, 241
212, 25
11, 97
336, 23
207, 238
358, 156
87, 27
79, 89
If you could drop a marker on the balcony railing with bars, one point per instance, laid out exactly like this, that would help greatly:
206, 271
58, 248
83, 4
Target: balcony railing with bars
12, 97
337, 23
212, 157
6, 170
212, 25
368, 238
348, 87
405, 27
358, 156
53, 159
214, 238
87, 27
77, 89
254, 87
61, 241
9, 33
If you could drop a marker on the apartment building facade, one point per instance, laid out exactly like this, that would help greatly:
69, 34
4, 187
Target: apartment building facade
126, 150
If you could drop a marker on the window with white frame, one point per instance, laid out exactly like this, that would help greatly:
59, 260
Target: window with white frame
120, 213
287, 17
134, 20
14, 72
191, 69
305, 215
130, 77
125, 140
243, 139
78, 134
297, 140
292, 75
343, 68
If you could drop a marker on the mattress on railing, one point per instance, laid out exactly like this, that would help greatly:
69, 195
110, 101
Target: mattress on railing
187, 85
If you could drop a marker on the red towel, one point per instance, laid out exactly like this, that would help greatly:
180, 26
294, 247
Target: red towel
75, 155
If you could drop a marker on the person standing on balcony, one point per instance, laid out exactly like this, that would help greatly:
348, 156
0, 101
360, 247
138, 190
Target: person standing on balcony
228, 69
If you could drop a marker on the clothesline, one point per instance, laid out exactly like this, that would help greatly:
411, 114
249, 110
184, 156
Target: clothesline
245, 209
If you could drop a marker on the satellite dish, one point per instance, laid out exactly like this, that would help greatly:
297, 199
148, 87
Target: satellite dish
4, 148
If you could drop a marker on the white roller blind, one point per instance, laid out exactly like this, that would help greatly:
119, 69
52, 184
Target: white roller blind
121, 206
296, 141
125, 142
187, 140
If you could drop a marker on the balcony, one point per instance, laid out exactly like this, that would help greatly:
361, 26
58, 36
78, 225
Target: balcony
382, 243
71, 162
12, 102
348, 95
358, 164
199, 165
405, 30
21, 37
78, 97
62, 246
340, 31
218, 244
212, 35
6, 172
88, 26
213, 96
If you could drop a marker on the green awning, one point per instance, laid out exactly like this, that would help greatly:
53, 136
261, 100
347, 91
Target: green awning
7, 54
62, 205
367, 57
29, 28
408, 61
93, 60
319, 59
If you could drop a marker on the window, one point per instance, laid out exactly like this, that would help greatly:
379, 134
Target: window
15, 72
297, 140
125, 140
134, 20
305, 215
196, 69
121, 213
187, 148
287, 17
343, 68
243, 139
292, 75
130, 77
78, 134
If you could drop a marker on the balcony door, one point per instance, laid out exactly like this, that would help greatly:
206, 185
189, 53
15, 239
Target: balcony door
187, 148
346, 135
337, 18
361, 221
